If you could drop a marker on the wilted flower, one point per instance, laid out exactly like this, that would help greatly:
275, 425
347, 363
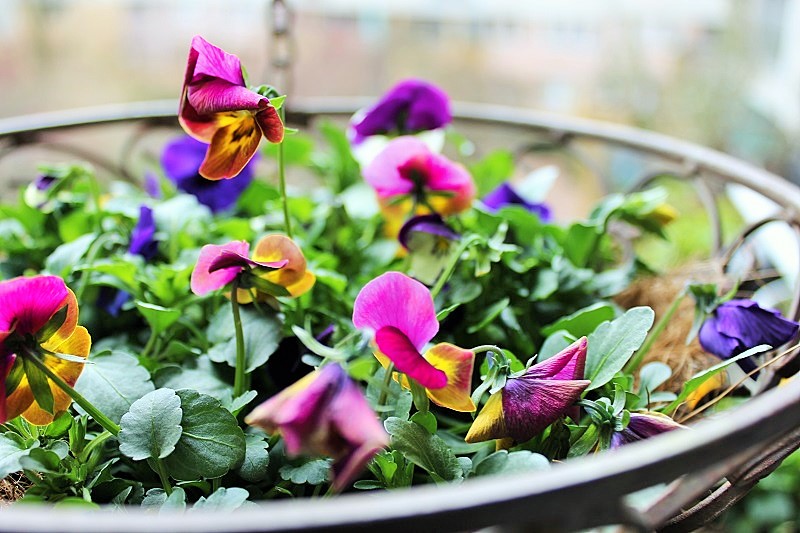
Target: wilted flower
410, 179
410, 106
181, 160
401, 313
429, 241
505, 194
38, 318
277, 263
738, 325
643, 426
325, 413
217, 108
527, 404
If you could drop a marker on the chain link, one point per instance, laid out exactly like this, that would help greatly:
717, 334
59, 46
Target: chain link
282, 45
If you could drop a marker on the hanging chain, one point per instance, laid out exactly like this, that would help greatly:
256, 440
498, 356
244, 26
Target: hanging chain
282, 46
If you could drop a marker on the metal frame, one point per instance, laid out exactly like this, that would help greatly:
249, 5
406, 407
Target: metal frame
742, 445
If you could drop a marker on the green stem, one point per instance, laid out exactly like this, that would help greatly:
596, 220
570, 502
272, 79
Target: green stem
634, 363
162, 473
282, 182
151, 342
387, 381
87, 406
451, 265
91, 255
94, 443
420, 397
486, 348
215, 484
240, 377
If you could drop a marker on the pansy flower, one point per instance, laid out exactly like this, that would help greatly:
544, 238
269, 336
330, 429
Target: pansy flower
738, 325
643, 426
528, 403
429, 242
410, 106
277, 267
325, 413
218, 109
400, 312
181, 160
38, 318
506, 194
411, 179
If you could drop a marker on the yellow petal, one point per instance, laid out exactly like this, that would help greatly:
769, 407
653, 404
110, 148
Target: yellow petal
303, 285
277, 248
232, 146
68, 327
489, 423
457, 363
717, 381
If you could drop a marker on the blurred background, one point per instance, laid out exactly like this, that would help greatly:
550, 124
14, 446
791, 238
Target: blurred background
722, 73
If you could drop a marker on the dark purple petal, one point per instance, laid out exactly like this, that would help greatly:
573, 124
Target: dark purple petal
431, 224
504, 194
143, 235
44, 182
569, 363
111, 300
530, 404
151, 185
643, 426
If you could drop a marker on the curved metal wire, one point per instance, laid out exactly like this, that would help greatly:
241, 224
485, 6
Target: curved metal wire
743, 444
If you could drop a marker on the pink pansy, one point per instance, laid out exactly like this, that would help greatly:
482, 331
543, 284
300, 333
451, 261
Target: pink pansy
325, 413
217, 108
400, 312
218, 265
408, 167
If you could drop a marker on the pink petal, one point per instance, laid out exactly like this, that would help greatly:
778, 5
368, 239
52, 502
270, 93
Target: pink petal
569, 363
27, 303
398, 348
394, 299
446, 175
204, 280
213, 62
383, 172
220, 96
228, 259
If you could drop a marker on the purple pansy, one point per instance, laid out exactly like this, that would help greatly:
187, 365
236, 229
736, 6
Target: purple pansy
643, 426
181, 160
143, 235
429, 241
410, 106
738, 325
505, 194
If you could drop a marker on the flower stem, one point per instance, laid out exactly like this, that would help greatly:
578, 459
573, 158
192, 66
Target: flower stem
162, 474
87, 406
387, 382
451, 265
486, 348
637, 359
240, 376
282, 182
94, 443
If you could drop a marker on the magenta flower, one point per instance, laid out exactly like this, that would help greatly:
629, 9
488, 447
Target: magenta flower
408, 107
400, 312
643, 426
738, 325
531, 402
217, 108
325, 413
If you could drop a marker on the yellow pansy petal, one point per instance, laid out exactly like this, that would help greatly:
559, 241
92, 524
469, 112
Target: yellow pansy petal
233, 145
303, 285
717, 381
276, 248
457, 363
68, 327
489, 423
19, 400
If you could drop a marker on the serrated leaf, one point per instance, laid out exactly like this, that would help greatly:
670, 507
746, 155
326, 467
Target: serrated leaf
256, 459
314, 472
262, 334
503, 462
152, 426
12, 449
212, 443
113, 383
423, 449
223, 500
613, 343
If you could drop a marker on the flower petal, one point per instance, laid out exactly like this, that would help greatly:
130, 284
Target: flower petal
28, 303
233, 145
489, 424
531, 404
383, 174
67, 328
276, 247
218, 96
457, 364
398, 348
143, 235
270, 123
394, 299
203, 280
212, 62
6, 363
569, 363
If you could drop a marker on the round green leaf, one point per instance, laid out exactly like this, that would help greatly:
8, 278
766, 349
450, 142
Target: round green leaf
212, 443
152, 426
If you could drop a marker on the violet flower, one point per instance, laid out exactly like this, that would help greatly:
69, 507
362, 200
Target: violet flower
181, 160
738, 325
409, 107
218, 109
143, 235
325, 413
505, 194
429, 241
643, 426
527, 404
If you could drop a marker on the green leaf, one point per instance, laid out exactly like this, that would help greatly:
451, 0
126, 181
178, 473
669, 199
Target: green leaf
613, 343
557, 341
223, 500
12, 449
158, 499
53, 325
489, 314
581, 241
40, 386
314, 472
426, 420
256, 459
492, 170
159, 318
68, 255
212, 443
583, 321
701, 377
427, 451
503, 462
151, 428
315, 346
113, 383
262, 334
652, 376
197, 373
